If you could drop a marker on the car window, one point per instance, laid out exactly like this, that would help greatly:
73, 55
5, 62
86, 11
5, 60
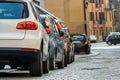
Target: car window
77, 38
11, 10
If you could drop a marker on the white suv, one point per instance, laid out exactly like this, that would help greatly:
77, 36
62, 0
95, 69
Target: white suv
23, 40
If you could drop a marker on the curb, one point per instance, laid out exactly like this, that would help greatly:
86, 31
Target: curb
93, 53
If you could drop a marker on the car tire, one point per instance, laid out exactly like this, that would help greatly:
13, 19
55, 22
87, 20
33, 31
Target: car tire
46, 66
88, 51
52, 63
65, 61
73, 58
61, 63
36, 67
109, 43
115, 44
68, 59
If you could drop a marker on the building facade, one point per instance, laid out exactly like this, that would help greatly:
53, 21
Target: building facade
80, 16
70, 11
95, 18
109, 17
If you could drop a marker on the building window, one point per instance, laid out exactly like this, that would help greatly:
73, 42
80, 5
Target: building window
102, 1
106, 16
92, 1
97, 4
91, 16
101, 17
110, 16
96, 16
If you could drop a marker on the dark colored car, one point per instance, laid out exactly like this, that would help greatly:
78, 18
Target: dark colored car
113, 38
81, 43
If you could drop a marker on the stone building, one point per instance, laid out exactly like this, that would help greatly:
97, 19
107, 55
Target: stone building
109, 17
70, 11
95, 18
80, 16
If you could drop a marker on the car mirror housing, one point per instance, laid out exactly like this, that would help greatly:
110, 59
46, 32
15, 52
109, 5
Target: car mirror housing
47, 23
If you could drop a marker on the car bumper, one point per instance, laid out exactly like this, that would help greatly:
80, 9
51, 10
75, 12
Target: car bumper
8, 55
81, 48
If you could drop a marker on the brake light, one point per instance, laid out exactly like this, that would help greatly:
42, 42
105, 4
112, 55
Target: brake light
27, 25
48, 30
27, 49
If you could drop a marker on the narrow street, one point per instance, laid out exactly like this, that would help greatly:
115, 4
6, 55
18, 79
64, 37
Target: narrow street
104, 66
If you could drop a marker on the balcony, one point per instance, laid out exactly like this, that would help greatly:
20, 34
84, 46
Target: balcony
96, 22
101, 22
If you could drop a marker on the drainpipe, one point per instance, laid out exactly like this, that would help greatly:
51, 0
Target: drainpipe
85, 24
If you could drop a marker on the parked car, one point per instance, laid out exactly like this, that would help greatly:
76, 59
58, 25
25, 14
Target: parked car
70, 49
57, 49
23, 40
113, 38
81, 43
93, 38
66, 38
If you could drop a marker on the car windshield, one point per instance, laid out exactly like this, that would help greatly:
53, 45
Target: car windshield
77, 38
11, 10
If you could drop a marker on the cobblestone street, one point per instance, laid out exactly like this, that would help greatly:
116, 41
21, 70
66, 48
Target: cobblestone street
102, 66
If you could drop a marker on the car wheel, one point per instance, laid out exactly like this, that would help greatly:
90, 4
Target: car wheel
68, 59
53, 63
88, 51
46, 66
109, 43
61, 63
36, 67
73, 58
65, 61
115, 44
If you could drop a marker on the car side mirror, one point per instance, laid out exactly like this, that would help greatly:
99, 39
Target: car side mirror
47, 23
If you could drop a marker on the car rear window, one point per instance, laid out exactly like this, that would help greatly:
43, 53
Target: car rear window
11, 10
77, 38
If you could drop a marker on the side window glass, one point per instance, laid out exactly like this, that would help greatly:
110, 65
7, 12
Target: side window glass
51, 24
55, 27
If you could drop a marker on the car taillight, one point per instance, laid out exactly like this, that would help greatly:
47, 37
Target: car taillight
48, 30
28, 49
27, 25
